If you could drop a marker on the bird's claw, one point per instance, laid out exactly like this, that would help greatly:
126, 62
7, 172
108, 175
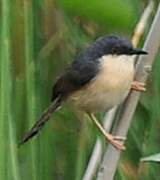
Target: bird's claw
119, 138
117, 142
138, 86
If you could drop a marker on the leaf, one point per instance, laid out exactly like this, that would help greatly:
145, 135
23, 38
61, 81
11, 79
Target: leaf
154, 158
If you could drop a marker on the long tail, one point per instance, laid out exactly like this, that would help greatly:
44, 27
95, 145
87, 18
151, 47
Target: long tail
42, 120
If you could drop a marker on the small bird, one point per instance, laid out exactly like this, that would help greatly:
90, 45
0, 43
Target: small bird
99, 78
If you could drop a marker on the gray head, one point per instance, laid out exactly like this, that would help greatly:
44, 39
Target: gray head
110, 45
116, 45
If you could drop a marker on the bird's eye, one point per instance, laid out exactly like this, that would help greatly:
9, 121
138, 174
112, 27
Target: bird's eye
113, 50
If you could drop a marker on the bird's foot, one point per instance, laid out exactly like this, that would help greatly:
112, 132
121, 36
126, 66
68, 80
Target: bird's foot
138, 86
117, 141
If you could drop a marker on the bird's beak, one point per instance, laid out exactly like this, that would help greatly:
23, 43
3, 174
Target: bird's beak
139, 51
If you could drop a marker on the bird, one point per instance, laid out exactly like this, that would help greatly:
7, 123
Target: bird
100, 77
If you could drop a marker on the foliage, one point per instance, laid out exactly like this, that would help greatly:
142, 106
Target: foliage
154, 158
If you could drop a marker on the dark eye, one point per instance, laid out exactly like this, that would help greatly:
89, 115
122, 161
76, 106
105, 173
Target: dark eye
114, 50
129, 51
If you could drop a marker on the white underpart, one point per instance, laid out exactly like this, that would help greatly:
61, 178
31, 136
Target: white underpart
110, 86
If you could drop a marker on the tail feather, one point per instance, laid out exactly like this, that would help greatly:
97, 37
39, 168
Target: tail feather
42, 120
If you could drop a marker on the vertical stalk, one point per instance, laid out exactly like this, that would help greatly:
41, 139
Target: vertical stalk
81, 154
30, 80
8, 153
4, 60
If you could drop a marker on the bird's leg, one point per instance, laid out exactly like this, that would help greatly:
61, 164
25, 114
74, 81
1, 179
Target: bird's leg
138, 86
116, 141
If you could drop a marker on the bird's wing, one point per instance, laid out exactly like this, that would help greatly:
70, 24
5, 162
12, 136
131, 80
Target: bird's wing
81, 71
75, 77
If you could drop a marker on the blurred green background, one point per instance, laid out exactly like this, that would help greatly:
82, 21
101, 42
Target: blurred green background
38, 39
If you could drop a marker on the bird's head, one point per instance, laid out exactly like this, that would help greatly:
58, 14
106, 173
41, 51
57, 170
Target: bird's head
116, 45
109, 46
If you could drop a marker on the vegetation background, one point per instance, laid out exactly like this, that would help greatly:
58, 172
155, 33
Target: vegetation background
38, 39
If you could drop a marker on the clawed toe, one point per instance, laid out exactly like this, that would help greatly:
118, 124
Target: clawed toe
119, 138
118, 145
138, 86
117, 142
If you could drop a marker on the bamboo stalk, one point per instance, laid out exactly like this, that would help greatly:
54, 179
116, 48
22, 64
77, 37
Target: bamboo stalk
110, 160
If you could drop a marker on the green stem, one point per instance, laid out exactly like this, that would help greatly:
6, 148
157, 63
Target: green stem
30, 79
8, 155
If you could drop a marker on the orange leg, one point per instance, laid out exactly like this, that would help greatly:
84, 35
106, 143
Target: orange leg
138, 86
116, 141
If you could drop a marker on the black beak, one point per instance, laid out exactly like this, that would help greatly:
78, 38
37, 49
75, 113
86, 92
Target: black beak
138, 51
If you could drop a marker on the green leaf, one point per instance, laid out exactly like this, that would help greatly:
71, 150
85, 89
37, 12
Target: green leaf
154, 158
